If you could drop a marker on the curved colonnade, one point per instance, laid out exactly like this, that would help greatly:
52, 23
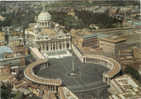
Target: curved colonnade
108, 62
29, 74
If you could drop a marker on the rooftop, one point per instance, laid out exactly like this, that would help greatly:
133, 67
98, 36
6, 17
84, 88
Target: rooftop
114, 40
130, 89
109, 36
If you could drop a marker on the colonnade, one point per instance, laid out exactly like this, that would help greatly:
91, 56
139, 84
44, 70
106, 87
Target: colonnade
16, 42
44, 24
52, 88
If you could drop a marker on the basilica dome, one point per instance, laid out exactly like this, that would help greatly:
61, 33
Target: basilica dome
44, 16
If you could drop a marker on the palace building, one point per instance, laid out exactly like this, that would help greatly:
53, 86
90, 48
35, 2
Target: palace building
47, 36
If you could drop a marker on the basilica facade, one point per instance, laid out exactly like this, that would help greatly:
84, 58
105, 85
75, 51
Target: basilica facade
47, 35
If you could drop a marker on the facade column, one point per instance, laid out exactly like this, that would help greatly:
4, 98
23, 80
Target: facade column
55, 45
69, 44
